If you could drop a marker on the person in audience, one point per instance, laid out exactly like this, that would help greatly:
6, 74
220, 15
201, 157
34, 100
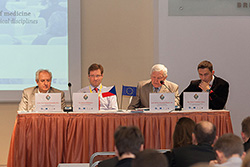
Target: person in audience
217, 87
183, 132
144, 88
246, 160
182, 135
95, 76
229, 150
43, 80
245, 133
149, 158
128, 142
201, 149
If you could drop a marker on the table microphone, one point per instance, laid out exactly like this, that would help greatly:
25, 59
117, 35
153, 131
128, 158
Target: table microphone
69, 109
177, 97
162, 82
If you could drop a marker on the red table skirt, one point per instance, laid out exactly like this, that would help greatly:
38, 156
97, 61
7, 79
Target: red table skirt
40, 140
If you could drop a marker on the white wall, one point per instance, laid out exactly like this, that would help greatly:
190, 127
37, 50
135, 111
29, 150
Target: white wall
184, 41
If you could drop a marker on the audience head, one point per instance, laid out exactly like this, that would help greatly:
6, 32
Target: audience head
183, 132
43, 80
245, 129
205, 70
228, 145
246, 160
95, 74
158, 73
204, 133
149, 158
128, 140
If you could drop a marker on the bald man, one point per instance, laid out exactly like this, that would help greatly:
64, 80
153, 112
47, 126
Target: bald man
201, 150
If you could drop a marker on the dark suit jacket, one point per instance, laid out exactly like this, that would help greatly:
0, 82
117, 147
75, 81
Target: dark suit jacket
247, 145
126, 162
109, 162
141, 100
169, 157
218, 96
192, 154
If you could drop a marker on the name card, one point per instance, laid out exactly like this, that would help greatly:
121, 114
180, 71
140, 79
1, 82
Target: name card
161, 101
48, 102
195, 100
85, 102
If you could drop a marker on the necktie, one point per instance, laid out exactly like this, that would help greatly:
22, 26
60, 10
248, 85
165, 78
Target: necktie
96, 90
156, 90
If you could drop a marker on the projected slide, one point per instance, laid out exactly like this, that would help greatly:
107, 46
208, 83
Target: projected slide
33, 35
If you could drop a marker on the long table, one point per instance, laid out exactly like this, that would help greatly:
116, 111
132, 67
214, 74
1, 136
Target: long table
47, 139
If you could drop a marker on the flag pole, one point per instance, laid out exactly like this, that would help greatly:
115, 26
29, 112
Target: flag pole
116, 98
121, 99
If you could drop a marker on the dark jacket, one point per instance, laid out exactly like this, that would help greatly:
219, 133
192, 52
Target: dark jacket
218, 96
192, 154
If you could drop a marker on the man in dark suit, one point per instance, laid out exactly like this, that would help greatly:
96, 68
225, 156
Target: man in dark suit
201, 150
245, 133
217, 87
128, 142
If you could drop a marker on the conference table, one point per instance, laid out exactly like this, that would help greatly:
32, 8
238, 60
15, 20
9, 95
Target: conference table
47, 139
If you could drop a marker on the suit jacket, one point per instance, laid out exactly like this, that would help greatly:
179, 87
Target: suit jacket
192, 154
169, 156
218, 96
141, 100
126, 162
247, 145
109, 162
27, 102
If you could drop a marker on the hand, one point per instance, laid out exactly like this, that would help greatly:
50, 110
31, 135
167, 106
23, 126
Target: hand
213, 162
204, 86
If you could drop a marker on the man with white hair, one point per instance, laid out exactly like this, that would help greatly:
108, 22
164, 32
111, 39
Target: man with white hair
43, 80
153, 85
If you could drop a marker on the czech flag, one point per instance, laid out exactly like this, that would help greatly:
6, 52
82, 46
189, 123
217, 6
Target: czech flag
111, 92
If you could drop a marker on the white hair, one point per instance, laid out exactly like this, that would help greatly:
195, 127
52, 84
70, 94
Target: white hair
42, 70
158, 68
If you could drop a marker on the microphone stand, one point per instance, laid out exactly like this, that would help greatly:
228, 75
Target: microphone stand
177, 97
69, 109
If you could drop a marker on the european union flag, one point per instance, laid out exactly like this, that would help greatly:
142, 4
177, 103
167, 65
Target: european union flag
128, 90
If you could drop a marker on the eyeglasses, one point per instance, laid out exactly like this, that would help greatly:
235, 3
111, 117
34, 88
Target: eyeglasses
95, 76
158, 78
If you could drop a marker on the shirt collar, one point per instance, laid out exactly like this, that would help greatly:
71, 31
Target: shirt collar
92, 87
158, 89
211, 82
40, 92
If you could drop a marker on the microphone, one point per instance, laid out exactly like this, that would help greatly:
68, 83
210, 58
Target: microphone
69, 109
177, 97
162, 82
